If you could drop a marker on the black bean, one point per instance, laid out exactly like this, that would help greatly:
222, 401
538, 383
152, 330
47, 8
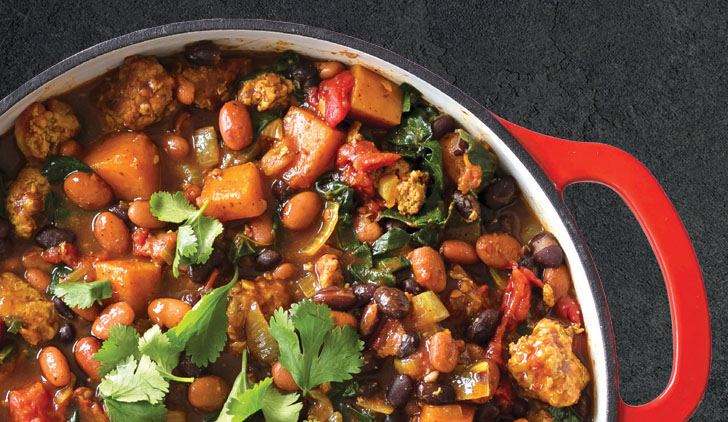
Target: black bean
400, 390
500, 193
49, 236
530, 262
5, 245
410, 343
191, 298
396, 416
62, 309
442, 124
392, 302
267, 260
200, 272
306, 75
66, 333
582, 408
121, 210
188, 369
368, 388
364, 292
546, 250
486, 412
5, 228
435, 393
461, 147
282, 190
370, 362
203, 53
483, 326
338, 298
412, 287
390, 224
467, 205
519, 408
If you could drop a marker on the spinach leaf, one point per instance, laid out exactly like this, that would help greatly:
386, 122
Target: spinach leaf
261, 120
563, 414
390, 241
340, 392
59, 167
413, 131
58, 273
241, 246
410, 97
284, 66
8, 352
54, 209
427, 236
392, 264
13, 324
340, 192
479, 156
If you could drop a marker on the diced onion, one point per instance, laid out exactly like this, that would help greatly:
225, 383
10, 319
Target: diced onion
428, 310
331, 217
206, 147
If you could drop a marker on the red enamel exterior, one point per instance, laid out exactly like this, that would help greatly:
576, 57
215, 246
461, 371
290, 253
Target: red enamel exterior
566, 162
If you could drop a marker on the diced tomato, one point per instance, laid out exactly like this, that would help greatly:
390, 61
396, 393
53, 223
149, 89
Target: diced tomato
65, 253
158, 247
32, 404
568, 309
503, 397
355, 160
333, 98
312, 97
448, 412
388, 338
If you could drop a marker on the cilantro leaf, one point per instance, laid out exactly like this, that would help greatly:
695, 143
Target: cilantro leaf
279, 407
59, 167
155, 344
245, 399
79, 294
322, 353
134, 381
249, 401
203, 330
13, 324
123, 341
171, 208
140, 411
195, 237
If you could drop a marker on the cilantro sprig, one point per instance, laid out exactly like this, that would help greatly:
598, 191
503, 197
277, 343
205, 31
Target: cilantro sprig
246, 398
196, 234
311, 349
82, 295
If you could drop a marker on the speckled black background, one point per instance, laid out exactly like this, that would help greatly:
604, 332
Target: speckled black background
648, 77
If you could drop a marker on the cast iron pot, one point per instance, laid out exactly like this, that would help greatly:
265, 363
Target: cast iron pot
543, 166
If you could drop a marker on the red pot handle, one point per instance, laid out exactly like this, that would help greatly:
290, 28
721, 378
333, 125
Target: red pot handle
567, 162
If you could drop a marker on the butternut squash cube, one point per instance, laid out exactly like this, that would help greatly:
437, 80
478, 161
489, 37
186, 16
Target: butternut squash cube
235, 192
375, 100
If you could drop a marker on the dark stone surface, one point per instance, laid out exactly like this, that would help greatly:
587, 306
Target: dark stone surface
648, 77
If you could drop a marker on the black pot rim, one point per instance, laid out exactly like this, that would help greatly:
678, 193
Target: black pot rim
431, 78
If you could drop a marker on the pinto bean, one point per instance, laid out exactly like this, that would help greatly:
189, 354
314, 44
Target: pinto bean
235, 125
497, 250
39, 279
301, 210
84, 351
285, 271
458, 252
112, 234
282, 378
366, 230
443, 351
369, 319
335, 297
328, 70
262, 229
428, 268
558, 279
342, 319
140, 214
192, 192
117, 313
208, 393
185, 92
70, 148
546, 250
54, 366
175, 146
88, 191
167, 312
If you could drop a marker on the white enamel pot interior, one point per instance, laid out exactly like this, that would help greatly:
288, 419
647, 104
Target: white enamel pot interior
325, 45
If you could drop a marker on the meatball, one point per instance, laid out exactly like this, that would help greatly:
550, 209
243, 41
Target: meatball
20, 300
214, 85
136, 95
267, 91
40, 129
544, 364
26, 198
263, 294
328, 271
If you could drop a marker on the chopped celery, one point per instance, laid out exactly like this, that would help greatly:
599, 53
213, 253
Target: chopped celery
427, 310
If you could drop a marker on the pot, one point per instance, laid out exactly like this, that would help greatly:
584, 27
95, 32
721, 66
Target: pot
543, 166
